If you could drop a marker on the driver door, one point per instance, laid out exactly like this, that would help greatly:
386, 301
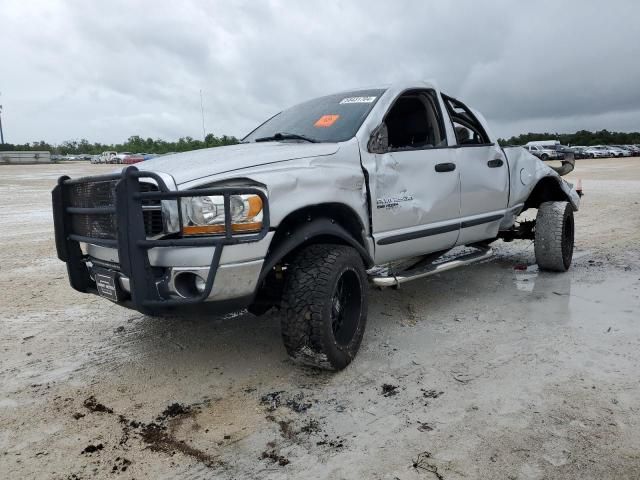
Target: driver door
414, 182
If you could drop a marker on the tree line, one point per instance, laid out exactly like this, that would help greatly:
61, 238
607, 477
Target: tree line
133, 144
581, 137
137, 144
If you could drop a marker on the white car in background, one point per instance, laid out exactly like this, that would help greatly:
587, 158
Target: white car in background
597, 152
618, 152
543, 152
635, 150
626, 151
107, 157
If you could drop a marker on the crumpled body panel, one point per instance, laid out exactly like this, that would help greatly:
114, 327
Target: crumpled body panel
526, 171
303, 182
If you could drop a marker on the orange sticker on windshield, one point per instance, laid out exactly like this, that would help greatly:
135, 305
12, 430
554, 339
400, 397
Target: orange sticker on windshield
326, 121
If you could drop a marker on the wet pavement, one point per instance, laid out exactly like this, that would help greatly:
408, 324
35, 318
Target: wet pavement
492, 371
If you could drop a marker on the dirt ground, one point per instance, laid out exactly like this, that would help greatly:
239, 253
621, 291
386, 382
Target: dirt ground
493, 371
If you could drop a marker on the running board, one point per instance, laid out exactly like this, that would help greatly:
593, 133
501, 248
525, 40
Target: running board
432, 269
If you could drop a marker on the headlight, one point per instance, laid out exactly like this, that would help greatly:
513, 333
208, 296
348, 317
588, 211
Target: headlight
204, 215
204, 210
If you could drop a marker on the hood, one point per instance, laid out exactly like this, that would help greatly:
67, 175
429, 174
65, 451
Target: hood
189, 166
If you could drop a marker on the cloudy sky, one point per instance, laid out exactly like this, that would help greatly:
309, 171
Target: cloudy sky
107, 70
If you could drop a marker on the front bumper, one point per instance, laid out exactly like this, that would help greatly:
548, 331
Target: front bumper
236, 276
151, 273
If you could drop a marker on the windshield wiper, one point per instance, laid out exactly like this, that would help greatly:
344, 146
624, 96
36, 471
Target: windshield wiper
286, 136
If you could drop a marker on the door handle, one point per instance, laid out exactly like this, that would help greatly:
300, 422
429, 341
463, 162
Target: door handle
495, 163
445, 167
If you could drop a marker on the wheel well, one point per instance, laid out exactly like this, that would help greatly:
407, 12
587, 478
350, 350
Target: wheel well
343, 215
547, 189
323, 223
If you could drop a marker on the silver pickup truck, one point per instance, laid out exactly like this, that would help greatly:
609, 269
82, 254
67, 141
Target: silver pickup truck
376, 186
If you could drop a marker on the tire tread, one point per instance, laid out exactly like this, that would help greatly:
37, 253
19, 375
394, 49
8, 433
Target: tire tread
308, 285
549, 235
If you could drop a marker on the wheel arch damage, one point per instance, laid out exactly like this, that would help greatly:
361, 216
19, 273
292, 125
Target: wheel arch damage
532, 181
327, 222
331, 223
547, 189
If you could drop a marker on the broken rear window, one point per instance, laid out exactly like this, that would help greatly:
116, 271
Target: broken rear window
334, 118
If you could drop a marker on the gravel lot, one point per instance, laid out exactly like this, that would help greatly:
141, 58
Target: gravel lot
486, 372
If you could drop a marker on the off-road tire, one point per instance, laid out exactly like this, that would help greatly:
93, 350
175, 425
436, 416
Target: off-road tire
554, 236
312, 332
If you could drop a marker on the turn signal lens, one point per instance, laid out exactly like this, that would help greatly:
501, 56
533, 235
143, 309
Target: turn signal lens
202, 229
246, 227
255, 206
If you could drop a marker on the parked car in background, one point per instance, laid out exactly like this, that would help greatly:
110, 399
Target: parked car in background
627, 152
564, 150
597, 151
120, 157
635, 150
131, 159
107, 157
618, 152
581, 152
544, 152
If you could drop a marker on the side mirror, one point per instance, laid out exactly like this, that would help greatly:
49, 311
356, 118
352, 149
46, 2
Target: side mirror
379, 140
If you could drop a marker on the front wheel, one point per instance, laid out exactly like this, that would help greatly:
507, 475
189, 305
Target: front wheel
324, 306
554, 236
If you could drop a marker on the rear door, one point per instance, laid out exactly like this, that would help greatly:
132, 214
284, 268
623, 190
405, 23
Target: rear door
414, 183
484, 176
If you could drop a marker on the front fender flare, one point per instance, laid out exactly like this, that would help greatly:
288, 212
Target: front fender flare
303, 233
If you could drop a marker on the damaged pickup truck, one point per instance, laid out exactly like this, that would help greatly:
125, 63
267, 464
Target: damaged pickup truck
376, 186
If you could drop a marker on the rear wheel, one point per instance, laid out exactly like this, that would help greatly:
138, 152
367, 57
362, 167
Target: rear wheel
324, 306
544, 156
554, 236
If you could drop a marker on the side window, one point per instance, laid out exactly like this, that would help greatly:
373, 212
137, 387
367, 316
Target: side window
467, 128
414, 122
464, 135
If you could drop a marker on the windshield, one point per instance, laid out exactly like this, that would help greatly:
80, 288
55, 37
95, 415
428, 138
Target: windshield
334, 118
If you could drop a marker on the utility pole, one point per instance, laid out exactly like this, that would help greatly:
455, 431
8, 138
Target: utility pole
202, 111
1, 134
